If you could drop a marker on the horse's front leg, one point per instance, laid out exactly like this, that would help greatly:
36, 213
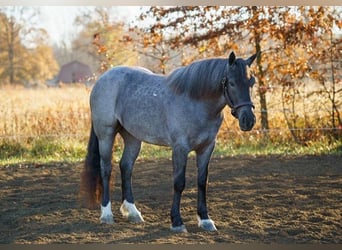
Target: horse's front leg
179, 160
203, 158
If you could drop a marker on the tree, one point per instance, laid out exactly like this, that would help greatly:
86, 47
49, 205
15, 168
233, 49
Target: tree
302, 43
42, 65
103, 39
10, 42
21, 46
325, 59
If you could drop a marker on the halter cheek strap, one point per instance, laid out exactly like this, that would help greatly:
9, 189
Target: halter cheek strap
226, 93
234, 108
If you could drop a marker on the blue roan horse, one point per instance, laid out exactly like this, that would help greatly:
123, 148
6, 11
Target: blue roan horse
182, 110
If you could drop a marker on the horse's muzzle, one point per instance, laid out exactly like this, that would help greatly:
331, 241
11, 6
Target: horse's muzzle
246, 118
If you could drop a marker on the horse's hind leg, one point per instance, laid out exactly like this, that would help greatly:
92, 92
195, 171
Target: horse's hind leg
106, 139
130, 154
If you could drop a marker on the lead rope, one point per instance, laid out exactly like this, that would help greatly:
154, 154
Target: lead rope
225, 90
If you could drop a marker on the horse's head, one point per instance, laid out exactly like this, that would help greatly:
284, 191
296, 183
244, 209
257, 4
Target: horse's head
237, 87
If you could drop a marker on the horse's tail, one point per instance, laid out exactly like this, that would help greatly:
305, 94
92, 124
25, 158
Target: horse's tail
91, 181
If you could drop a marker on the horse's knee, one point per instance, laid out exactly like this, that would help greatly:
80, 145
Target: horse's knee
126, 166
179, 183
106, 170
202, 183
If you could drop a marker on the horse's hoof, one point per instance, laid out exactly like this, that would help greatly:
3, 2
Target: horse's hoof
207, 225
130, 211
106, 214
179, 229
107, 220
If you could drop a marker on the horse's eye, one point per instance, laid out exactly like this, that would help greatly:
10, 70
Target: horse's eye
232, 83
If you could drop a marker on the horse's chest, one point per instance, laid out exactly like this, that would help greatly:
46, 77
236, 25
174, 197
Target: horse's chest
194, 131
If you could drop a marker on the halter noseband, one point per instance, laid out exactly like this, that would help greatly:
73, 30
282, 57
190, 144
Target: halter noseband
234, 108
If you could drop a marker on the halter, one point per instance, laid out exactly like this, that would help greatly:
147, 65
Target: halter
234, 108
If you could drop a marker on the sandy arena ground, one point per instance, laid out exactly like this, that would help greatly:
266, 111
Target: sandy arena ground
268, 199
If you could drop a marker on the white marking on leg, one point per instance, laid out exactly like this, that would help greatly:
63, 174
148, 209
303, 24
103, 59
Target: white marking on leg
106, 214
130, 211
206, 224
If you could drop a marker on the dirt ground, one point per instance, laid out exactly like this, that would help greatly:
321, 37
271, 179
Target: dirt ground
269, 199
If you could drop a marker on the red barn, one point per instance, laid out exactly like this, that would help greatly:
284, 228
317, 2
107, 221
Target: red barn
74, 72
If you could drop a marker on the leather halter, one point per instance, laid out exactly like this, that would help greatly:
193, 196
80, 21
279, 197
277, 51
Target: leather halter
234, 107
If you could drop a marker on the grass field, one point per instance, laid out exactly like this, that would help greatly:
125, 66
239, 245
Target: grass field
52, 124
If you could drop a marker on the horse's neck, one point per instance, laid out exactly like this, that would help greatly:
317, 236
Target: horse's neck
215, 107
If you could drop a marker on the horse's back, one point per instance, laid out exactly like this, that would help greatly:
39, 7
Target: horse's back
116, 76
109, 85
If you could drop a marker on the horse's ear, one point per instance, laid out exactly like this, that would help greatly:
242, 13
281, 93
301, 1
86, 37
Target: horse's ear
252, 58
231, 58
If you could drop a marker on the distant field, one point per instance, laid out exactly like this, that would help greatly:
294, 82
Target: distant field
46, 111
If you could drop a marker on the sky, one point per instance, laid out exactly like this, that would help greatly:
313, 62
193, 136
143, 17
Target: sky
58, 20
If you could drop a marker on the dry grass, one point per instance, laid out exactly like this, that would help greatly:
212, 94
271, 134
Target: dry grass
40, 112
65, 111
311, 116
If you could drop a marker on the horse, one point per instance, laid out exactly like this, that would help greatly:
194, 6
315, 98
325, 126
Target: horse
182, 110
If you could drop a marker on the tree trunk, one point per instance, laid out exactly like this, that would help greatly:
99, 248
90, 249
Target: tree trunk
262, 87
11, 30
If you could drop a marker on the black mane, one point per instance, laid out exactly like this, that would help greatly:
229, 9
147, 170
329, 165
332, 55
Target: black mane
201, 79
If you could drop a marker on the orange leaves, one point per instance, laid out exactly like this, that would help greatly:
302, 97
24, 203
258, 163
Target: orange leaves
202, 48
152, 40
113, 45
101, 49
